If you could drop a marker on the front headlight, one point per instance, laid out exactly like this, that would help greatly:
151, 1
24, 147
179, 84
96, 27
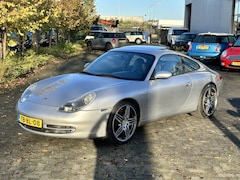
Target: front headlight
27, 93
77, 104
224, 54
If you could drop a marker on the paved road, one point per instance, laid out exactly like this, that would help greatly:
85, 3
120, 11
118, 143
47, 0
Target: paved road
181, 147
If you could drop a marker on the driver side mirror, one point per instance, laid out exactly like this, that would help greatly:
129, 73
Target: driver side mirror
162, 75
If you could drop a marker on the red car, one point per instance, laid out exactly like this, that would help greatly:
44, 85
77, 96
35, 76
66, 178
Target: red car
230, 58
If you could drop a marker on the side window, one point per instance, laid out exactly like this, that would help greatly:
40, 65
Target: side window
232, 39
100, 35
106, 35
139, 33
171, 63
224, 40
189, 65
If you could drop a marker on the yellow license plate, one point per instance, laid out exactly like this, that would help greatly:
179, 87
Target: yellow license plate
203, 47
34, 122
236, 63
122, 41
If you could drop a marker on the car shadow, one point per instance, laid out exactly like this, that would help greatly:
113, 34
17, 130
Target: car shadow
228, 133
127, 161
235, 102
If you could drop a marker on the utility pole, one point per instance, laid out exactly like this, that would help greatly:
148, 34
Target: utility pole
234, 27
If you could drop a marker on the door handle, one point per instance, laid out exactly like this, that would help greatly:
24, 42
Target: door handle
188, 84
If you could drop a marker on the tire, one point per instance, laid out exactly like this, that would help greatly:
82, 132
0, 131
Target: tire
207, 102
122, 123
138, 41
89, 46
108, 46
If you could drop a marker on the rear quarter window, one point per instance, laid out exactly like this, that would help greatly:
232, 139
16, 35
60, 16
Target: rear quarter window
189, 65
119, 35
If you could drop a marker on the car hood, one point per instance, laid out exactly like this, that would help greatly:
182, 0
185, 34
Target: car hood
183, 40
234, 50
58, 90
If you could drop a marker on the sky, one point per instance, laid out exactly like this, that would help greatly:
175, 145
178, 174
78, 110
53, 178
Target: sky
149, 9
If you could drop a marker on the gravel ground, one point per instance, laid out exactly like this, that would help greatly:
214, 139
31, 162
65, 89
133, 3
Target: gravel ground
180, 147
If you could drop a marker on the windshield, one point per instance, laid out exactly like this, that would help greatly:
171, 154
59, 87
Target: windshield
237, 43
187, 36
124, 65
179, 31
211, 39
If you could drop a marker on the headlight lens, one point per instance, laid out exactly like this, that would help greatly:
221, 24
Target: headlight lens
27, 93
77, 104
224, 53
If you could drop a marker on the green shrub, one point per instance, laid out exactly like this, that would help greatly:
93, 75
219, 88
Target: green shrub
20, 64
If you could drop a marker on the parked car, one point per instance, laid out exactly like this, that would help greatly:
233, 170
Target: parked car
14, 41
137, 37
91, 35
121, 90
230, 57
209, 46
183, 40
174, 33
107, 40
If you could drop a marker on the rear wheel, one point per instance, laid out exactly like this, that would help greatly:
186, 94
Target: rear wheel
108, 46
122, 123
138, 41
207, 102
89, 46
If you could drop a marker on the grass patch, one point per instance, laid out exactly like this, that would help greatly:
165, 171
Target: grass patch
21, 64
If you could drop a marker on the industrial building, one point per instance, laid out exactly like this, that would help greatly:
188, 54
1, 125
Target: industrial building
212, 16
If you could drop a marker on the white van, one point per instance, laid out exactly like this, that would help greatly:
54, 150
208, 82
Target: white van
174, 33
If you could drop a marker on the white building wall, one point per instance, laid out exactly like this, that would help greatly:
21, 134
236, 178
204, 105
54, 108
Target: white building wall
210, 15
139, 19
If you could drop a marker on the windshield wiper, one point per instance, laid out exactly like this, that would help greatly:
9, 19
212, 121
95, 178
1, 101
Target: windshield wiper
84, 72
109, 75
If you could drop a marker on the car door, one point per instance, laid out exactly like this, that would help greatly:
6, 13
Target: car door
168, 96
98, 41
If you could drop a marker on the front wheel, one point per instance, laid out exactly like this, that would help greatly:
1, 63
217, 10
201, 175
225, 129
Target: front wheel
122, 123
207, 102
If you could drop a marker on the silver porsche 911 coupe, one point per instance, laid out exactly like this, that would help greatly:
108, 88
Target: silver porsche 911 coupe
122, 89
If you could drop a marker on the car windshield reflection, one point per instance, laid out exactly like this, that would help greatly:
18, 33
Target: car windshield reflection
131, 66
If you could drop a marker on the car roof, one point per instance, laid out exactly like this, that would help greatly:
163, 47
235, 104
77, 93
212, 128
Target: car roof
111, 32
189, 33
149, 49
184, 28
216, 34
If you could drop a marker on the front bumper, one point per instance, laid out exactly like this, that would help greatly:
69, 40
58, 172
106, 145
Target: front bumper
81, 124
230, 64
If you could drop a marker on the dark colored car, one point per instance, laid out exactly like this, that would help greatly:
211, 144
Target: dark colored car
183, 40
209, 46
